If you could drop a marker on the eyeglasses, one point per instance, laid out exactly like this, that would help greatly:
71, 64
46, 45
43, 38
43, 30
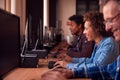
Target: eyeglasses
110, 20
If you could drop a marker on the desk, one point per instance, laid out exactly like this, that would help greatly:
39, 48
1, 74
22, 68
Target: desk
31, 73
28, 74
25, 74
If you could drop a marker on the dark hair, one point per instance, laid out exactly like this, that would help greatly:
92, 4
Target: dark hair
78, 19
96, 19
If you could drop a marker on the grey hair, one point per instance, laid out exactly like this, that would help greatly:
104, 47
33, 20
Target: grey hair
118, 1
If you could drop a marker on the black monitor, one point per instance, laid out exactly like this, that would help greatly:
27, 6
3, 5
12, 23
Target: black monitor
9, 42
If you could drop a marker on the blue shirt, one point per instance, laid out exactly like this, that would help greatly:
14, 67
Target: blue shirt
104, 53
107, 72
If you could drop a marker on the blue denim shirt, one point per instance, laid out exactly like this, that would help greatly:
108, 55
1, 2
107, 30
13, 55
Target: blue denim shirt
106, 52
108, 72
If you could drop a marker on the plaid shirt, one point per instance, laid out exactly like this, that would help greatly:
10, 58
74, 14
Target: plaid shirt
108, 72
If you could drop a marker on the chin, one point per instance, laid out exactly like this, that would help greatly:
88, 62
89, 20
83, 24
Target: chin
89, 39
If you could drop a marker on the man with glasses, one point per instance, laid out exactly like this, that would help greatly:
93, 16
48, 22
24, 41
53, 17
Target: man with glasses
112, 18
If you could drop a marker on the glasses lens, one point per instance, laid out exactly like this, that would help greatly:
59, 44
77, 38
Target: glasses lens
108, 21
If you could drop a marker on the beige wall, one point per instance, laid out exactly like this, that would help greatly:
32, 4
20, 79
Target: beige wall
2, 4
65, 9
18, 8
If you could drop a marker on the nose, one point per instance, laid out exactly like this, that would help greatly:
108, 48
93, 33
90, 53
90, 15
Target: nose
84, 32
108, 27
70, 27
68, 23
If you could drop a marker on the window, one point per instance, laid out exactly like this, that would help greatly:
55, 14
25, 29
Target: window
82, 6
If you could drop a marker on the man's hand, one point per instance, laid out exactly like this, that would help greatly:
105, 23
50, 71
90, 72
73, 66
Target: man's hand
68, 58
60, 64
65, 72
61, 55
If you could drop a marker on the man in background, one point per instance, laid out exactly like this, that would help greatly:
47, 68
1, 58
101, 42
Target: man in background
80, 46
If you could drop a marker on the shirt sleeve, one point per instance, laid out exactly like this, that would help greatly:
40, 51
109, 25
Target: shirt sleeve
107, 72
77, 62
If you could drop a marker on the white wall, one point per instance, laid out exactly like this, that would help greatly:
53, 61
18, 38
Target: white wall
65, 9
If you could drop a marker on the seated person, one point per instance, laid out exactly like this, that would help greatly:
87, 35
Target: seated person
105, 49
80, 47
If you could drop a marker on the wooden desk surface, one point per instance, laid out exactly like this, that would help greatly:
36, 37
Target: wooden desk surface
25, 74
29, 74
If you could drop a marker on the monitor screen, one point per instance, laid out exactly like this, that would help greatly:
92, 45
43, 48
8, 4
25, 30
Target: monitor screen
9, 42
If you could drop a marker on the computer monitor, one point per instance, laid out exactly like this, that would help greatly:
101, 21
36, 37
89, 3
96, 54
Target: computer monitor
9, 42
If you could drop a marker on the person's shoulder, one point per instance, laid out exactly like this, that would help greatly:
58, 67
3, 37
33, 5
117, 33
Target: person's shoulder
109, 39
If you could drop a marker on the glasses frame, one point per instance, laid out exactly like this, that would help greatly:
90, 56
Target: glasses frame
110, 20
